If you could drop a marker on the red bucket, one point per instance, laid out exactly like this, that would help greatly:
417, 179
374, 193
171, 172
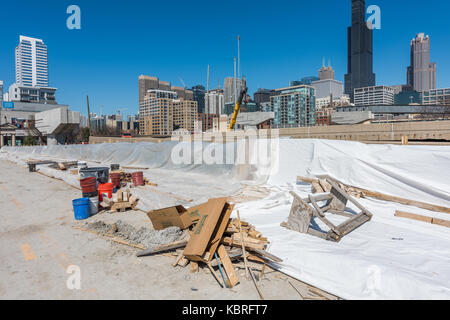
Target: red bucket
115, 179
138, 178
105, 188
88, 185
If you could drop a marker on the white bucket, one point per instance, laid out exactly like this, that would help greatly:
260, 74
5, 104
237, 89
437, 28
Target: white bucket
82, 164
93, 205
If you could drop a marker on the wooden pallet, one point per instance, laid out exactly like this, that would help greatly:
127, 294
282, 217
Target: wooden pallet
304, 210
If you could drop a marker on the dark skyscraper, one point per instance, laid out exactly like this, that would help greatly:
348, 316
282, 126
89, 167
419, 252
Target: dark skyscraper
360, 51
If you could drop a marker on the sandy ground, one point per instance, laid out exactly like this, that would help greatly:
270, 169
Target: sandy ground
39, 243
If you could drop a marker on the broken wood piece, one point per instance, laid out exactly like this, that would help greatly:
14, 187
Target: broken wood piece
166, 247
228, 266
180, 256
261, 275
183, 262
194, 267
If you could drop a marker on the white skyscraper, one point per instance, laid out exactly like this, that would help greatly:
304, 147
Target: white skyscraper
31, 63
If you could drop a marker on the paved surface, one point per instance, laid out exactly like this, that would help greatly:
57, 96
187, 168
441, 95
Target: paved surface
39, 244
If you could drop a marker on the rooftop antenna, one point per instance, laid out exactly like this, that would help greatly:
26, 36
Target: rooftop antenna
239, 57
182, 81
323, 62
235, 82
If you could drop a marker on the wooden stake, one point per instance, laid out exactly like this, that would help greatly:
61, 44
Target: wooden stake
214, 274
244, 253
256, 286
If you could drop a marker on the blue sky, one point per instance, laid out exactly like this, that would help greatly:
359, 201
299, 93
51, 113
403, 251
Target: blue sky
280, 41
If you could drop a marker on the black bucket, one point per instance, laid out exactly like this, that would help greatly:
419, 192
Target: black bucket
101, 174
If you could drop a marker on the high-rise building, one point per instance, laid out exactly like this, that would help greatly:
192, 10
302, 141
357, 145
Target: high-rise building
31, 63
327, 88
360, 51
185, 114
293, 107
199, 96
161, 112
262, 95
156, 112
153, 83
371, 96
214, 102
421, 74
326, 73
233, 88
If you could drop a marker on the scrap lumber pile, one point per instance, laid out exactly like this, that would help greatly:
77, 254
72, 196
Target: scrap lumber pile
120, 201
216, 241
127, 178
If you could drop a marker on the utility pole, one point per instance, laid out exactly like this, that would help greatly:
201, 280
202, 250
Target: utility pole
89, 113
235, 82
207, 92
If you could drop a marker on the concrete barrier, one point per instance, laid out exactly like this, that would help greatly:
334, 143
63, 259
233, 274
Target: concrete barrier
383, 132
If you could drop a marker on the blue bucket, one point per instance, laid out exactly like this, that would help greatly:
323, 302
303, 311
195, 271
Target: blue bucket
81, 208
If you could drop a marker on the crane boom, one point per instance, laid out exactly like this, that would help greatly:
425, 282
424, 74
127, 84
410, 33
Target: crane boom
237, 108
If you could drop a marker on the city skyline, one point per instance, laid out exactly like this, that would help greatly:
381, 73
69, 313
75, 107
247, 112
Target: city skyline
110, 77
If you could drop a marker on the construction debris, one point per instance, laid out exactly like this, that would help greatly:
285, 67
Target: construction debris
120, 201
151, 239
364, 193
302, 214
215, 240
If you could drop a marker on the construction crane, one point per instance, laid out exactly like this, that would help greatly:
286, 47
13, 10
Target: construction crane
237, 108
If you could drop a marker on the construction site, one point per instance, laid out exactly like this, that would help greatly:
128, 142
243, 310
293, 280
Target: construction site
271, 218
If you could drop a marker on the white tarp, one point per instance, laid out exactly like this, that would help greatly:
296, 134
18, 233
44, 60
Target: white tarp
387, 258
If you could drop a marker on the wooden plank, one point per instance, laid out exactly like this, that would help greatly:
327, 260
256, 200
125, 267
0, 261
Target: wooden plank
441, 222
385, 197
256, 286
238, 243
436, 221
214, 274
228, 266
413, 216
166, 247
266, 255
243, 245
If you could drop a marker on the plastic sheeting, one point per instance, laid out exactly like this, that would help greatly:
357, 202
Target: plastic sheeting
387, 258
